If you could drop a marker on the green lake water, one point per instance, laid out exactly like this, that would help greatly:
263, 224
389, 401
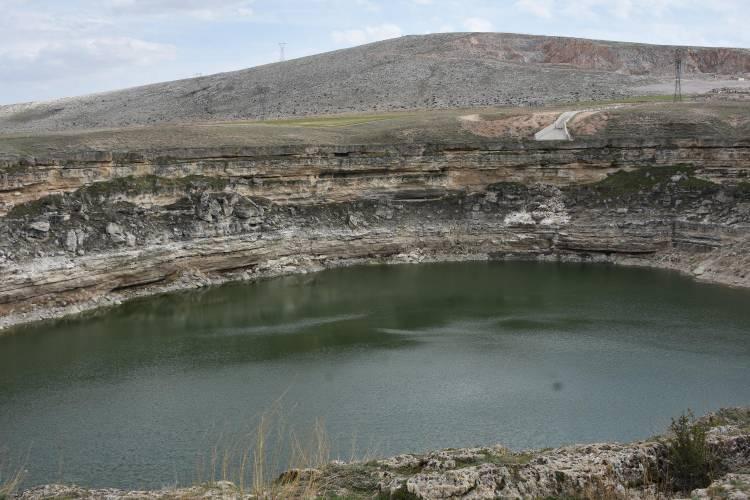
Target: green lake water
391, 359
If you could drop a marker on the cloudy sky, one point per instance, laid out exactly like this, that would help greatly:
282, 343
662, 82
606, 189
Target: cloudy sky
58, 48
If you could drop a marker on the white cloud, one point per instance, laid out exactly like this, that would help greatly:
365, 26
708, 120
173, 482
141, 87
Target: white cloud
623, 9
366, 35
539, 8
199, 9
368, 5
595, 10
40, 50
422, 2
477, 24
584, 10
56, 58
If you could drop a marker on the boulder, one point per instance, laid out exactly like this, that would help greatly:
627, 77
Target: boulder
40, 226
71, 241
246, 209
209, 209
115, 232
355, 221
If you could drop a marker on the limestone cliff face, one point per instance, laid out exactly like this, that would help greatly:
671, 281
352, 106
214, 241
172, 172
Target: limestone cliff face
313, 174
98, 227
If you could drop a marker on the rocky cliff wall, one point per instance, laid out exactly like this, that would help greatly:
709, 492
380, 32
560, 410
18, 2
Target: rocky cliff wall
96, 228
312, 174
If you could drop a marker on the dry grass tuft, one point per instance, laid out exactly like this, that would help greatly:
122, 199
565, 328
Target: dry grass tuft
272, 461
10, 485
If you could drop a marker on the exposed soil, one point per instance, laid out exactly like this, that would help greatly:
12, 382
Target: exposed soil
523, 125
588, 123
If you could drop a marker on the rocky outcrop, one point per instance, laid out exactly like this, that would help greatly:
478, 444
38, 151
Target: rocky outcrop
99, 228
593, 471
732, 486
606, 470
221, 490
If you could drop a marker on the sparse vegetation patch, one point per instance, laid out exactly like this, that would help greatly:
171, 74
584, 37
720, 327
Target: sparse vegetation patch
743, 189
132, 186
645, 179
690, 462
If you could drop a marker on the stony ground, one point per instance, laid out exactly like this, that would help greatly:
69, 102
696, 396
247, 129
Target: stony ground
436, 71
716, 116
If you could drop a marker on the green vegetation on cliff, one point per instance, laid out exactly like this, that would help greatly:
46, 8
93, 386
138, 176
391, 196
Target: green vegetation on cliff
690, 461
132, 186
643, 180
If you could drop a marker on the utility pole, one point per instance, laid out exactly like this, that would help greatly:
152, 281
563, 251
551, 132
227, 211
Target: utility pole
281, 51
678, 75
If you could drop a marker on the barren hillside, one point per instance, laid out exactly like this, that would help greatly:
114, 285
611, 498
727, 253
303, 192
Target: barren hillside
431, 71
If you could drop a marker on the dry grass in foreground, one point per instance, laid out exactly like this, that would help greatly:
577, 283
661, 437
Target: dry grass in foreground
9, 485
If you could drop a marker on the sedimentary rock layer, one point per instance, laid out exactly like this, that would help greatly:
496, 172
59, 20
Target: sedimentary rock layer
96, 228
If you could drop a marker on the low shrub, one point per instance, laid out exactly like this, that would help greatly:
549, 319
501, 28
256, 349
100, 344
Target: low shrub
689, 458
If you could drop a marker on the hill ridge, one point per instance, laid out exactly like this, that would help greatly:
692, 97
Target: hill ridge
435, 71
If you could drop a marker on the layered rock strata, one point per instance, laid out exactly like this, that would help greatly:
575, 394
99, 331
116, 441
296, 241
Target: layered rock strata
95, 228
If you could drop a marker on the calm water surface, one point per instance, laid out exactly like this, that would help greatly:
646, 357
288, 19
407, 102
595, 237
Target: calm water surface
392, 358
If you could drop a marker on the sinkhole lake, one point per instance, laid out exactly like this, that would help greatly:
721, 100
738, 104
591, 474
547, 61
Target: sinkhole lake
392, 359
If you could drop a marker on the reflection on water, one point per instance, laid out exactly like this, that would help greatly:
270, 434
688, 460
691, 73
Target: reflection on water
290, 327
405, 358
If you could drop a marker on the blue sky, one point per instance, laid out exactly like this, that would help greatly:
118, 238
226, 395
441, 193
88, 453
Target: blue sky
58, 48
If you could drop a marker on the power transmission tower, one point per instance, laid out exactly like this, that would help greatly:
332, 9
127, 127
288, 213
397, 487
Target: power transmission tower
678, 75
282, 58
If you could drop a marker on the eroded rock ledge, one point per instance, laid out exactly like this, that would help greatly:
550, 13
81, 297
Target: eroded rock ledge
96, 228
594, 471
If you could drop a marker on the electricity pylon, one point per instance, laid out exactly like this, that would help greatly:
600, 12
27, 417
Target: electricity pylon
678, 75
